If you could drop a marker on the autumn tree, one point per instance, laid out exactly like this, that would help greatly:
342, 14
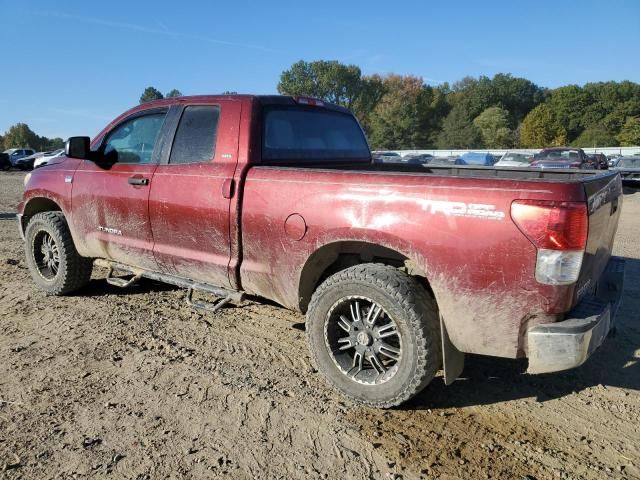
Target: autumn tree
404, 116
539, 129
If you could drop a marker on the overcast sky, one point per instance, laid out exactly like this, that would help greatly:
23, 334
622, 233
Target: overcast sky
69, 67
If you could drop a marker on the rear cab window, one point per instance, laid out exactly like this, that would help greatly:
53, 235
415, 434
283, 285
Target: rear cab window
195, 139
311, 134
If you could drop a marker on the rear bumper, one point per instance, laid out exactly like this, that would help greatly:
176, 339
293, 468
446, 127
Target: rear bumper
567, 344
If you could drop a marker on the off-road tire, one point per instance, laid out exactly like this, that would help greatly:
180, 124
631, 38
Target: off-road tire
74, 271
415, 314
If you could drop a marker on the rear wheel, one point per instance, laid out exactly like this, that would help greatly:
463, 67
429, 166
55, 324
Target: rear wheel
373, 332
55, 265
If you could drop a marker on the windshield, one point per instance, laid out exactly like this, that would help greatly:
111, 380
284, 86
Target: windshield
566, 155
311, 134
516, 157
629, 162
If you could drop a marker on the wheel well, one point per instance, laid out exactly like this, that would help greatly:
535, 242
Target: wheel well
38, 205
338, 256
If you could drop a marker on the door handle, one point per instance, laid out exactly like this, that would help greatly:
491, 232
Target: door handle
138, 181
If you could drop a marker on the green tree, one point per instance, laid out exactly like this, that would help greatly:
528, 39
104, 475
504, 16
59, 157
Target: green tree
402, 116
371, 92
629, 136
597, 136
2, 148
539, 129
458, 131
51, 143
20, 135
173, 94
149, 94
516, 95
493, 124
568, 106
331, 81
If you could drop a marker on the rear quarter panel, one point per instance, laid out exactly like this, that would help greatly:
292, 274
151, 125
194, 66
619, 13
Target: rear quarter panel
456, 232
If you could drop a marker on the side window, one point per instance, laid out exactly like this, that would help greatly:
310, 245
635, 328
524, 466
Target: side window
196, 135
134, 140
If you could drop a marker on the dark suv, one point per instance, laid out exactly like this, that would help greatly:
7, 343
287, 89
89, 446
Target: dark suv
5, 163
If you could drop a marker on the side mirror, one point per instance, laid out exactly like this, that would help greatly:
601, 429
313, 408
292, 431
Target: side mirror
78, 147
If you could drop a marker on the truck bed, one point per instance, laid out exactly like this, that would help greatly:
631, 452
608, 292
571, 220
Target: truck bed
511, 173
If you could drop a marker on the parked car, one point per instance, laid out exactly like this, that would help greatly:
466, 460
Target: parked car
417, 159
386, 157
475, 158
442, 161
613, 159
563, 157
26, 163
16, 154
514, 159
277, 197
49, 156
629, 168
5, 163
600, 159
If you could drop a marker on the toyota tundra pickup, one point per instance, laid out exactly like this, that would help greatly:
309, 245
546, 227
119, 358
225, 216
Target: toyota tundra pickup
400, 269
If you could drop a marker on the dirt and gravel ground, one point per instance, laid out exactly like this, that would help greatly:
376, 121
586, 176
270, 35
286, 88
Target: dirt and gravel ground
134, 384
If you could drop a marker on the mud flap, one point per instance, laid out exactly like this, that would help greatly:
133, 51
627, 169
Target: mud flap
452, 358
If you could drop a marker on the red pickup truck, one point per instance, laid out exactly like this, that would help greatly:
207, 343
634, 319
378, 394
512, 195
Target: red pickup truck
400, 269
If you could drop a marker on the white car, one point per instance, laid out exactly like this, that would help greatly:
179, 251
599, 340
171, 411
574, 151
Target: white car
43, 160
514, 159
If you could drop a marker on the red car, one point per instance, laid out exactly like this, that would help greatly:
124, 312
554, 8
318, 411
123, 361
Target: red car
400, 269
564, 157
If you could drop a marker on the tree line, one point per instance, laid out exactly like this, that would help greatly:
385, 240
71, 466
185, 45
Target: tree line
402, 112
20, 135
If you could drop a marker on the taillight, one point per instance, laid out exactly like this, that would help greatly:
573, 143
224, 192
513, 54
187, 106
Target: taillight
552, 225
559, 232
309, 101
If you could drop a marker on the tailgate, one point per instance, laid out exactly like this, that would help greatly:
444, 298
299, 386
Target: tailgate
604, 204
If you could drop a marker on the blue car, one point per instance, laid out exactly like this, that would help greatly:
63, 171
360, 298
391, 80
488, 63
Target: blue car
476, 158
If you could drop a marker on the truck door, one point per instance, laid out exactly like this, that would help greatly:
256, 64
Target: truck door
110, 196
192, 193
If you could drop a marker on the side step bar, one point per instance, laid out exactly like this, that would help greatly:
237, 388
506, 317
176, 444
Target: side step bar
224, 295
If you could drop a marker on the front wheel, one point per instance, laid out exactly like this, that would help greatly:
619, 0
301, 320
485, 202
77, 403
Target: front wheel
373, 332
52, 258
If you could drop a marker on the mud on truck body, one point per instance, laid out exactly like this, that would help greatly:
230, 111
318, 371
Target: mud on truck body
400, 269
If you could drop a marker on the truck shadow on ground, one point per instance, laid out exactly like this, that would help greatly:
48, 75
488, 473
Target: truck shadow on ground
99, 287
488, 380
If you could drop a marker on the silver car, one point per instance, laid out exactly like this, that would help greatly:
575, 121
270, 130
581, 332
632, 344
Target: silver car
16, 154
